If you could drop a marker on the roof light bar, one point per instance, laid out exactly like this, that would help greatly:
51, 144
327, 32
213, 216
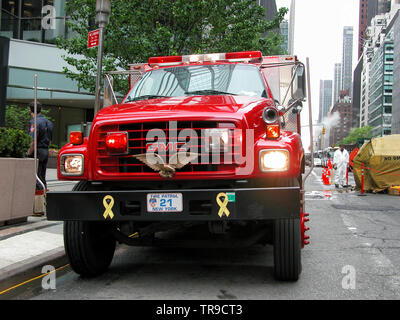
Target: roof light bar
245, 56
168, 60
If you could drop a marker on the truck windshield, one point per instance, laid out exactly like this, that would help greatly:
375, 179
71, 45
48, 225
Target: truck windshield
223, 79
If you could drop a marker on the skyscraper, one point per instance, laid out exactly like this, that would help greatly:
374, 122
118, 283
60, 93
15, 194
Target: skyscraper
325, 98
368, 10
347, 60
270, 5
284, 34
271, 10
337, 82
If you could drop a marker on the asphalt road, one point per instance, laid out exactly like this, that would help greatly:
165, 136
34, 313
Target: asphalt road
354, 254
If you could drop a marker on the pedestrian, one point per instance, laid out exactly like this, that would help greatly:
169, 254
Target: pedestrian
44, 137
340, 163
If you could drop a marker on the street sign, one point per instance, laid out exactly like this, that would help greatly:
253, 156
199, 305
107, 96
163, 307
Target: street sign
93, 38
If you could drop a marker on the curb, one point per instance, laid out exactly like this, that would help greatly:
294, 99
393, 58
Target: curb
23, 270
21, 229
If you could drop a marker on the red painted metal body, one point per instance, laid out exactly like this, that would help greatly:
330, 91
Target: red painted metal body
243, 112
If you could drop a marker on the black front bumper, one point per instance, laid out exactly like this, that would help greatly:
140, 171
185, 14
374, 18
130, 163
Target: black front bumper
198, 205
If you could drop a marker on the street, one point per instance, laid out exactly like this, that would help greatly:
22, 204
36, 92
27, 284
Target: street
347, 232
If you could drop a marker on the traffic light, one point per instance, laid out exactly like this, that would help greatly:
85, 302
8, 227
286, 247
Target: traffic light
323, 130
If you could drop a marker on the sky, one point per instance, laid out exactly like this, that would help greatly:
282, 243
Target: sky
319, 36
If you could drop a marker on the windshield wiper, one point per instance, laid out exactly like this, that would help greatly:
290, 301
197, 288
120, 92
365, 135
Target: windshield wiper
145, 97
209, 92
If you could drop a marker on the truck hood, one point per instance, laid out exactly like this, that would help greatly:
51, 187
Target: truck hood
191, 107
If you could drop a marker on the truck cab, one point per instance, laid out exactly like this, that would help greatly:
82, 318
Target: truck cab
203, 151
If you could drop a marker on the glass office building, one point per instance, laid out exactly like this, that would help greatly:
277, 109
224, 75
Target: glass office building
381, 87
31, 37
26, 20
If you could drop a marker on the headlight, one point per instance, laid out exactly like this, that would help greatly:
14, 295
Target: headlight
274, 160
71, 164
216, 139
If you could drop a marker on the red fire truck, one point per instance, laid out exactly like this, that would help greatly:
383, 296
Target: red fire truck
204, 151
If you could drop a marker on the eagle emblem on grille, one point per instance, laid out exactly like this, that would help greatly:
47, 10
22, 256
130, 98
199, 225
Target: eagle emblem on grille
166, 170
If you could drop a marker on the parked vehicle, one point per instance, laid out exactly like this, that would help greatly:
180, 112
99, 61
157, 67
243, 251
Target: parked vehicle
317, 162
200, 147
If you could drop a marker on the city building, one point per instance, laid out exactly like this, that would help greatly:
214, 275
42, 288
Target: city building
394, 27
285, 35
31, 50
325, 99
368, 10
364, 85
379, 88
271, 10
356, 99
381, 80
347, 59
337, 81
270, 6
374, 35
344, 107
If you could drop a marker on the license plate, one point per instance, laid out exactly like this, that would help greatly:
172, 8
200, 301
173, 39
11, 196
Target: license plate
164, 202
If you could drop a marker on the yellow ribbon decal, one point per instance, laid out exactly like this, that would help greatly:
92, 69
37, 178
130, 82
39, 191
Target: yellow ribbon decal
223, 205
108, 206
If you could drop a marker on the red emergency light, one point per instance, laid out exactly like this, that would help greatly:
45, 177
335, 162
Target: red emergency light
167, 59
117, 142
245, 56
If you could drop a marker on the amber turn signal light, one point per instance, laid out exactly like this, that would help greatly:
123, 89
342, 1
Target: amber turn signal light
273, 131
76, 137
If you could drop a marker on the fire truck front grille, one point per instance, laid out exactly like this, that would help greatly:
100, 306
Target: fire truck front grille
138, 143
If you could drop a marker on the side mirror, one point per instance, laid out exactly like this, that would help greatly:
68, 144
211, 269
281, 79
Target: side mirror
299, 83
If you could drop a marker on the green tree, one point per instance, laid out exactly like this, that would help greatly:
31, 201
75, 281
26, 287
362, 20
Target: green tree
139, 29
357, 133
14, 143
17, 117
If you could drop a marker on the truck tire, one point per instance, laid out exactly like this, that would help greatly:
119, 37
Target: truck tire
287, 249
88, 245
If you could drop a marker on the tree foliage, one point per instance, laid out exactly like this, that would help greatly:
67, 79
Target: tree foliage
139, 29
14, 143
358, 133
17, 117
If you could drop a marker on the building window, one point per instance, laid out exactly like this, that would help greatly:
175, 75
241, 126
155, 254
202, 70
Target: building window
388, 109
22, 19
387, 99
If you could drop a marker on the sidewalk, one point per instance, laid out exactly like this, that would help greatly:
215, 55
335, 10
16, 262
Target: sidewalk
35, 243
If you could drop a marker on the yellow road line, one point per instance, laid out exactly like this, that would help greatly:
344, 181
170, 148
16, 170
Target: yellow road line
134, 234
33, 279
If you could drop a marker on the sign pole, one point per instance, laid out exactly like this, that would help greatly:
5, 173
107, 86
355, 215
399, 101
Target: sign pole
99, 69
103, 10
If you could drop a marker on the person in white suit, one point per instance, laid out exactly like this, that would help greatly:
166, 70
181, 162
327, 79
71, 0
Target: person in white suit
340, 163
